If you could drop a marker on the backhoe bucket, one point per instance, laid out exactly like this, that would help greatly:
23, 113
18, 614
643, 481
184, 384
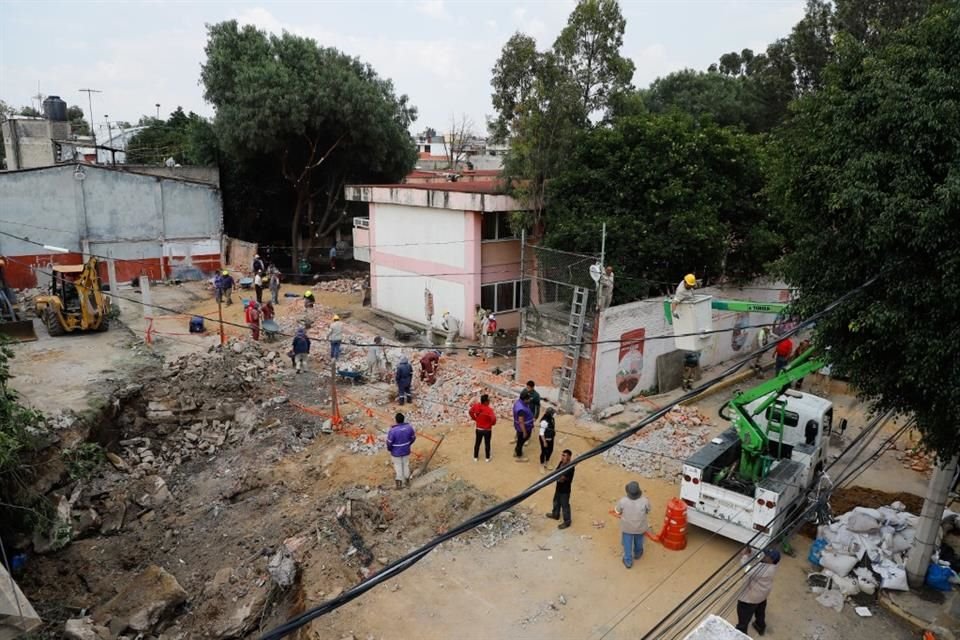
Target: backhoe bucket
18, 330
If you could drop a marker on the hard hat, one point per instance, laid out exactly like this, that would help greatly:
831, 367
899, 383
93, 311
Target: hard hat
257, 255
690, 279
308, 294
225, 272
336, 317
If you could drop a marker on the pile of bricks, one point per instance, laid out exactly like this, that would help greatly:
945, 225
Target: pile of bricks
917, 460
659, 449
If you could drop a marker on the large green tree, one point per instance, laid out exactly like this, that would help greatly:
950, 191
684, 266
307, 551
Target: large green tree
867, 175
724, 99
677, 195
315, 115
543, 99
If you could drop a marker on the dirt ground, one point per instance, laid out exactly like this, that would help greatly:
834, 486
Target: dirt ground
286, 479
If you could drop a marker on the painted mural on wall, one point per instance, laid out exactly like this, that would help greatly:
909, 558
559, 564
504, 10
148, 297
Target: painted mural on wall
630, 367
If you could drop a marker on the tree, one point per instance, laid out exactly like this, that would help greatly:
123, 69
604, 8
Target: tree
724, 99
588, 49
319, 117
867, 175
78, 125
543, 99
456, 142
811, 44
677, 195
30, 112
188, 138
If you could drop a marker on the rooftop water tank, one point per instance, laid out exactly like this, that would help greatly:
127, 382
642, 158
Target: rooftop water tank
55, 109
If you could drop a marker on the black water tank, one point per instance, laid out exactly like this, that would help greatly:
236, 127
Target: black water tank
55, 109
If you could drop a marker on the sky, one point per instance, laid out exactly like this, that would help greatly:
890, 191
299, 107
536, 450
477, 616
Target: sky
439, 52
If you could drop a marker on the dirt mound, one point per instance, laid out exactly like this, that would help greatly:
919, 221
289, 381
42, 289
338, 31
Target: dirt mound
844, 500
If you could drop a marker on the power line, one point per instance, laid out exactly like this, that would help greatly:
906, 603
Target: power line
402, 564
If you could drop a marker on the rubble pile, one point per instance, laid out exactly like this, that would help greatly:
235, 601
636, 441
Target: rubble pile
505, 525
26, 301
367, 446
659, 449
917, 459
341, 285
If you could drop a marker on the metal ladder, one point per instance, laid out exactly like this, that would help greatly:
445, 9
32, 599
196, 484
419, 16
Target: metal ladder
568, 373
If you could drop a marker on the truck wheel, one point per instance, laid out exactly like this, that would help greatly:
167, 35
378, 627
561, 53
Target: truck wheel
104, 325
50, 319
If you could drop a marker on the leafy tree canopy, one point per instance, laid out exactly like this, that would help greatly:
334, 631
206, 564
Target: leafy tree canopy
867, 176
317, 116
188, 138
677, 195
78, 124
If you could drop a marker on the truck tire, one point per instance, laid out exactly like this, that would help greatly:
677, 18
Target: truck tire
52, 322
104, 325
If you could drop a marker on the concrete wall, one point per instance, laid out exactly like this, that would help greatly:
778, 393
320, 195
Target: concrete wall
149, 224
626, 366
209, 175
28, 142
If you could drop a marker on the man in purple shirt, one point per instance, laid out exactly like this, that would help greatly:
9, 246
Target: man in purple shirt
522, 423
400, 439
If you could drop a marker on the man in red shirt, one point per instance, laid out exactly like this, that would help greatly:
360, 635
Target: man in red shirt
784, 351
483, 415
252, 315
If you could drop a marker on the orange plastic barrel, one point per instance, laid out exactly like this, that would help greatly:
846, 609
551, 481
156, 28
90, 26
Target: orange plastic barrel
674, 534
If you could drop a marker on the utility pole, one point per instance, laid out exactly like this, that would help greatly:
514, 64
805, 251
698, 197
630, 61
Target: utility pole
158, 110
93, 132
603, 246
113, 157
929, 525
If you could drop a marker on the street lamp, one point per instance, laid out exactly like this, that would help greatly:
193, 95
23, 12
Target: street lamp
158, 110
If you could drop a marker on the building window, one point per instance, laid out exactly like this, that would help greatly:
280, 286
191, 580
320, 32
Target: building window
426, 148
496, 226
501, 297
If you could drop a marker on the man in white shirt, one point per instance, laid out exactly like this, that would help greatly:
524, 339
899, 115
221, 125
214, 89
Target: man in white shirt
633, 509
759, 582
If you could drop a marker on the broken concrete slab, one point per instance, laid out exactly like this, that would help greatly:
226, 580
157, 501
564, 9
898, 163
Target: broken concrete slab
716, 628
283, 568
239, 614
151, 492
609, 412
151, 596
85, 629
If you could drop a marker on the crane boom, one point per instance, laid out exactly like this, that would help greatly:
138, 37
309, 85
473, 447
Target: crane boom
754, 460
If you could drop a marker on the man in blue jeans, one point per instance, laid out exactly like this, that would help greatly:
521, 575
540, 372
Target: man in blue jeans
633, 510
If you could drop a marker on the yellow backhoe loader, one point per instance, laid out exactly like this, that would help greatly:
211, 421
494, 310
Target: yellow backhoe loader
76, 302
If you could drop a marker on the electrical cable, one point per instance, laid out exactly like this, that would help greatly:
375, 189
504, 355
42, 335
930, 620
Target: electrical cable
402, 564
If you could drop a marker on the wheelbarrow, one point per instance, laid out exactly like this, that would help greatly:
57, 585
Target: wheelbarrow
270, 330
354, 377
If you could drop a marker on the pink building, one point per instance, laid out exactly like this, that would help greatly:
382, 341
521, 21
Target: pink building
436, 247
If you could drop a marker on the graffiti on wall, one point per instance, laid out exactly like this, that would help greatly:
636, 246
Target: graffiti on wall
630, 367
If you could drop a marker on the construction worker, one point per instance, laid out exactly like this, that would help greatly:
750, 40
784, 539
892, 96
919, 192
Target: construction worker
335, 336
430, 366
684, 292
691, 361
376, 359
252, 315
301, 349
308, 300
479, 313
273, 275
534, 398
404, 378
782, 355
763, 337
218, 286
489, 330
258, 286
400, 439
226, 287
605, 285
561, 495
333, 258
452, 326
257, 265
752, 602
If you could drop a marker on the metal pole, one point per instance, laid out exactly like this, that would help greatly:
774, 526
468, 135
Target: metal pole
223, 336
603, 246
928, 528
93, 132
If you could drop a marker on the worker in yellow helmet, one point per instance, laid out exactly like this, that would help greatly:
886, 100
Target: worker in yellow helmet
684, 292
308, 299
335, 336
223, 287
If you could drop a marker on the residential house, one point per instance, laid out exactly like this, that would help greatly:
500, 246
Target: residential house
440, 246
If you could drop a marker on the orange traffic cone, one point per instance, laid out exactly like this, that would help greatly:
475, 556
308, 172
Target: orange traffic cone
673, 536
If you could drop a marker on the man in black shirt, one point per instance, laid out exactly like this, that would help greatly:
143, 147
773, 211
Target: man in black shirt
561, 495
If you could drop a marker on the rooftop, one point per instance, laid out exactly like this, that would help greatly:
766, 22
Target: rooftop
484, 186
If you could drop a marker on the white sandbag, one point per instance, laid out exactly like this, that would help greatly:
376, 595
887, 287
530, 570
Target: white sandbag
866, 580
891, 576
848, 586
831, 599
871, 513
860, 522
839, 563
898, 506
902, 541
